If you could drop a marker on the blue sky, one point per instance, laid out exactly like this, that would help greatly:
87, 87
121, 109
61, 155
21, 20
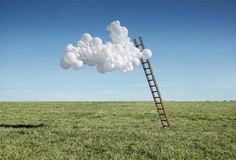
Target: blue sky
193, 45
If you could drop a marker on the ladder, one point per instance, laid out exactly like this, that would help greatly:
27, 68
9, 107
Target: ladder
153, 86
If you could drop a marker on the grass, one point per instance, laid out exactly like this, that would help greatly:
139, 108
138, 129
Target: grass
116, 130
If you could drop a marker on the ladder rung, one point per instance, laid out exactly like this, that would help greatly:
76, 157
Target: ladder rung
159, 109
144, 62
165, 126
146, 68
158, 103
148, 74
152, 85
138, 45
162, 114
156, 97
164, 120
150, 79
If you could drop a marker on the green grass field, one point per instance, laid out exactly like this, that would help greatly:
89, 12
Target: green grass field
117, 130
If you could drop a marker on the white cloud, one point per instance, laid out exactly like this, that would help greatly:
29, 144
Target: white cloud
119, 54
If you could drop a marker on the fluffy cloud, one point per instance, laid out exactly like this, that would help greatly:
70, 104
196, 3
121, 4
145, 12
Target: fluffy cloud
120, 53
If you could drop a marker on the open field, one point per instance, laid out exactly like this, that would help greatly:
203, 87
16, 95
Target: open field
116, 130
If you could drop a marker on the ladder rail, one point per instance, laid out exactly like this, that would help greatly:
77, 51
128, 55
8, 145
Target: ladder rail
153, 86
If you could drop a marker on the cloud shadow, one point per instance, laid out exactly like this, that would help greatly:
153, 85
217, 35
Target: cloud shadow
21, 125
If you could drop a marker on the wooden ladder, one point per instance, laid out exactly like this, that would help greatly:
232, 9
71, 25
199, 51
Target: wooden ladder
153, 86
